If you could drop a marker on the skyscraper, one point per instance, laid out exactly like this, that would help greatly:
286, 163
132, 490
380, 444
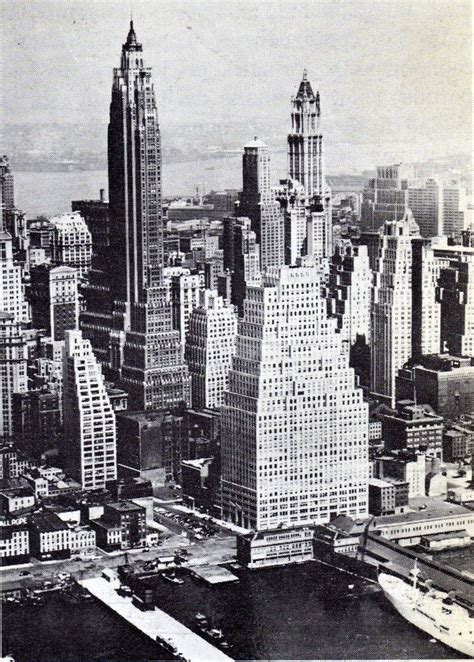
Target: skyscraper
385, 198
210, 346
307, 215
134, 159
425, 203
12, 288
258, 203
185, 290
13, 363
255, 182
7, 192
241, 257
54, 296
153, 371
350, 291
89, 454
392, 307
294, 426
305, 141
456, 297
72, 243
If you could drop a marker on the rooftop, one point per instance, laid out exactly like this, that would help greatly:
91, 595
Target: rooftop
45, 522
125, 506
435, 508
104, 524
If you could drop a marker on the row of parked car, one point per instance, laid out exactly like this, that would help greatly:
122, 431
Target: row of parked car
199, 529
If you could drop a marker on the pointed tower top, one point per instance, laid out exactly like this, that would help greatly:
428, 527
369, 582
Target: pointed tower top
131, 37
132, 44
305, 89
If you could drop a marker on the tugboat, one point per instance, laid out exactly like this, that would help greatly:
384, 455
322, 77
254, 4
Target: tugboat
434, 612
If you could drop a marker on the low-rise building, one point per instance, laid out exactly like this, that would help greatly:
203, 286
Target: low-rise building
436, 516
108, 534
278, 547
49, 537
407, 466
14, 545
437, 542
83, 541
198, 482
131, 518
16, 496
387, 497
413, 427
456, 445
444, 382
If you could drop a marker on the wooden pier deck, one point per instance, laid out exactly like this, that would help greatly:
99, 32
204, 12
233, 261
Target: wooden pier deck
156, 624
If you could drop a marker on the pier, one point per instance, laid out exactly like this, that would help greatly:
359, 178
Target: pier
156, 624
213, 574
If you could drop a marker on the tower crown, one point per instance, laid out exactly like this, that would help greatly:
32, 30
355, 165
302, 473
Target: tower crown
305, 91
132, 44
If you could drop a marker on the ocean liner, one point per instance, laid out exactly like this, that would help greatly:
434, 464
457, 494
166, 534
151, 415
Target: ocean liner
432, 611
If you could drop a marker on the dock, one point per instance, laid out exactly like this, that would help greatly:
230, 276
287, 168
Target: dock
156, 624
213, 574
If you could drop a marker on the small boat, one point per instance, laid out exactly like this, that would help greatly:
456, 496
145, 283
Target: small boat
172, 578
200, 617
216, 633
351, 586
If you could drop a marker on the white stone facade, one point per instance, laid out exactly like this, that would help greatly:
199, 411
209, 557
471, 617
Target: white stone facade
210, 346
90, 454
72, 242
391, 345
294, 427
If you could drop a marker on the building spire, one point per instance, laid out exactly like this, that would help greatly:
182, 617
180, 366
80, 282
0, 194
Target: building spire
132, 44
131, 37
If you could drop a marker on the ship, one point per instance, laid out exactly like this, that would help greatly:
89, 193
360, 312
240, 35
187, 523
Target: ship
435, 612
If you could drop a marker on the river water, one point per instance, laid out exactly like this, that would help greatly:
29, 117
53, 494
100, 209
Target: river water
295, 613
50, 193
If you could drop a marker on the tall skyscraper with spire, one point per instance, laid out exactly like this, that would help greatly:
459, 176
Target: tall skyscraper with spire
308, 214
153, 371
305, 140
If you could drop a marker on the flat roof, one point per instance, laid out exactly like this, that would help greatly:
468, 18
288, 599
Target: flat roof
45, 522
377, 482
125, 506
104, 524
434, 509
447, 536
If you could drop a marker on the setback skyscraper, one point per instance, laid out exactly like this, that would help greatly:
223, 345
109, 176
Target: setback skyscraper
89, 453
294, 426
153, 369
392, 308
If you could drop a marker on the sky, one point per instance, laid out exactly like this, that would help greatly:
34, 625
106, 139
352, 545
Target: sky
389, 71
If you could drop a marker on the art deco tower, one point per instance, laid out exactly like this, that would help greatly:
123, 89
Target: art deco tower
134, 156
305, 141
153, 371
294, 434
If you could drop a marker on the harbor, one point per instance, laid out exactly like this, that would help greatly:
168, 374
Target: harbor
181, 642
309, 611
